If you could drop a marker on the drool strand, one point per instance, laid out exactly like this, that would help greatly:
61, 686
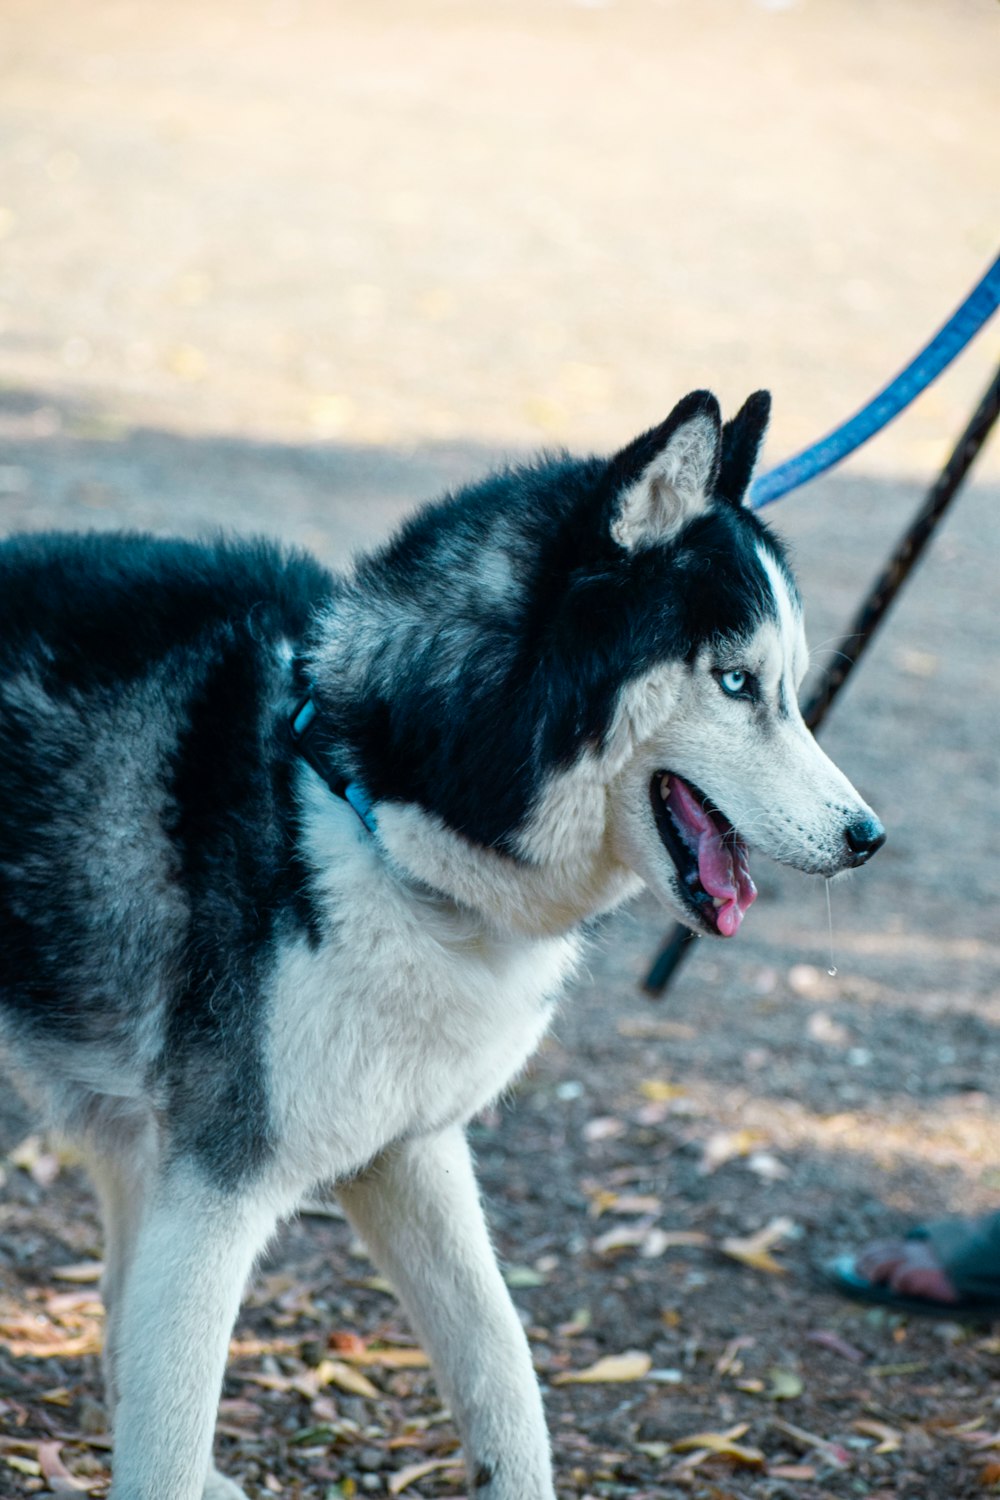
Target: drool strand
829, 917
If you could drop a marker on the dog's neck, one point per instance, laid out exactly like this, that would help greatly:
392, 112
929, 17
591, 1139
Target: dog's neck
531, 899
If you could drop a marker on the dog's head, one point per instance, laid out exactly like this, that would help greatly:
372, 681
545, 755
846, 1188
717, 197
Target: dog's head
716, 756
586, 671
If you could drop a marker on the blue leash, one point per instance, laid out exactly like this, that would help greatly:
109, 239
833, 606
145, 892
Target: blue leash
302, 727
963, 325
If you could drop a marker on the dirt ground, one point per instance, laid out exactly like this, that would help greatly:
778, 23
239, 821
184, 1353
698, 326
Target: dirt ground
292, 267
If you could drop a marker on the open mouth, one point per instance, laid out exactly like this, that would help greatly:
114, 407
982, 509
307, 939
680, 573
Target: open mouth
710, 856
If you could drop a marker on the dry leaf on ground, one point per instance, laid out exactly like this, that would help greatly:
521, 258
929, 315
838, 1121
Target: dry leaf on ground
622, 1237
633, 1365
755, 1250
785, 1385
405, 1477
720, 1445
890, 1439
827, 1338
59, 1479
810, 1442
660, 1090
344, 1377
723, 1145
354, 1351
83, 1273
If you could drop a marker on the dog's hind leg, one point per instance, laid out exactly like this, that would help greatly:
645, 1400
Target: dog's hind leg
193, 1251
418, 1209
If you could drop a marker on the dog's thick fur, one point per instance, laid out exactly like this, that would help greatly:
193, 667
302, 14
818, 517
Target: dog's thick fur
229, 989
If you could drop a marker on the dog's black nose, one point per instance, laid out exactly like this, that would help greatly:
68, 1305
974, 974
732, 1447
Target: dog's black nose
864, 836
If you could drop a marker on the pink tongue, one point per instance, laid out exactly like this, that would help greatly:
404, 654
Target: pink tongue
722, 867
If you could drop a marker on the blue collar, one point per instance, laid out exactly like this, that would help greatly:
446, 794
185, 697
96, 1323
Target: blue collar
301, 726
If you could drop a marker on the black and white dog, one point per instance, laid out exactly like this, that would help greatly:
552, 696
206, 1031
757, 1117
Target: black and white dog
293, 866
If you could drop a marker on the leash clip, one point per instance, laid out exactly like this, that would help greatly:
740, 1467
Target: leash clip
300, 726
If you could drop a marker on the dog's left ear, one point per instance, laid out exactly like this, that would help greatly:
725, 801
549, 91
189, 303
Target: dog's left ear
741, 441
663, 479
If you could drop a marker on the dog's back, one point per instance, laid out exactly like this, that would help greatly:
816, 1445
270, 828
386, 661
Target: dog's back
147, 838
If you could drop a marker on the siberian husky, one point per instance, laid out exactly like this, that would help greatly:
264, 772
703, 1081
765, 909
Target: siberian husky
293, 869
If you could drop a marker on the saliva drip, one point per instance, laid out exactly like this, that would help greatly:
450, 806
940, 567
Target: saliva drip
829, 917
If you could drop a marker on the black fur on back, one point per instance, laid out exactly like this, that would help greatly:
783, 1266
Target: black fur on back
143, 696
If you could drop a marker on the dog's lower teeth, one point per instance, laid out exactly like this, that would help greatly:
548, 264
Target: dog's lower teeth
717, 901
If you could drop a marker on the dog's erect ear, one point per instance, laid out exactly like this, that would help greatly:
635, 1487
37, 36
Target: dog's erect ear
741, 440
665, 478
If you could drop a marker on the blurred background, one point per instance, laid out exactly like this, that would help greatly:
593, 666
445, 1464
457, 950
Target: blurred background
395, 226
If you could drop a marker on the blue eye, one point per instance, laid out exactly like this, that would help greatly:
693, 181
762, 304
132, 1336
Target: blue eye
736, 683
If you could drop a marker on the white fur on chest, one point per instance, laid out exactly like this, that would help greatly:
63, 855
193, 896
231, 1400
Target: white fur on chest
408, 1017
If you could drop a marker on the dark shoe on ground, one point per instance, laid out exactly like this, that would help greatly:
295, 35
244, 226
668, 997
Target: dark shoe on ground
947, 1269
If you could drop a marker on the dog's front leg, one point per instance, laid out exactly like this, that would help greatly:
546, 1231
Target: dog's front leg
418, 1209
192, 1255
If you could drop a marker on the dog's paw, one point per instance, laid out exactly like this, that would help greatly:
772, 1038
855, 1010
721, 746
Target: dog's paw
218, 1487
